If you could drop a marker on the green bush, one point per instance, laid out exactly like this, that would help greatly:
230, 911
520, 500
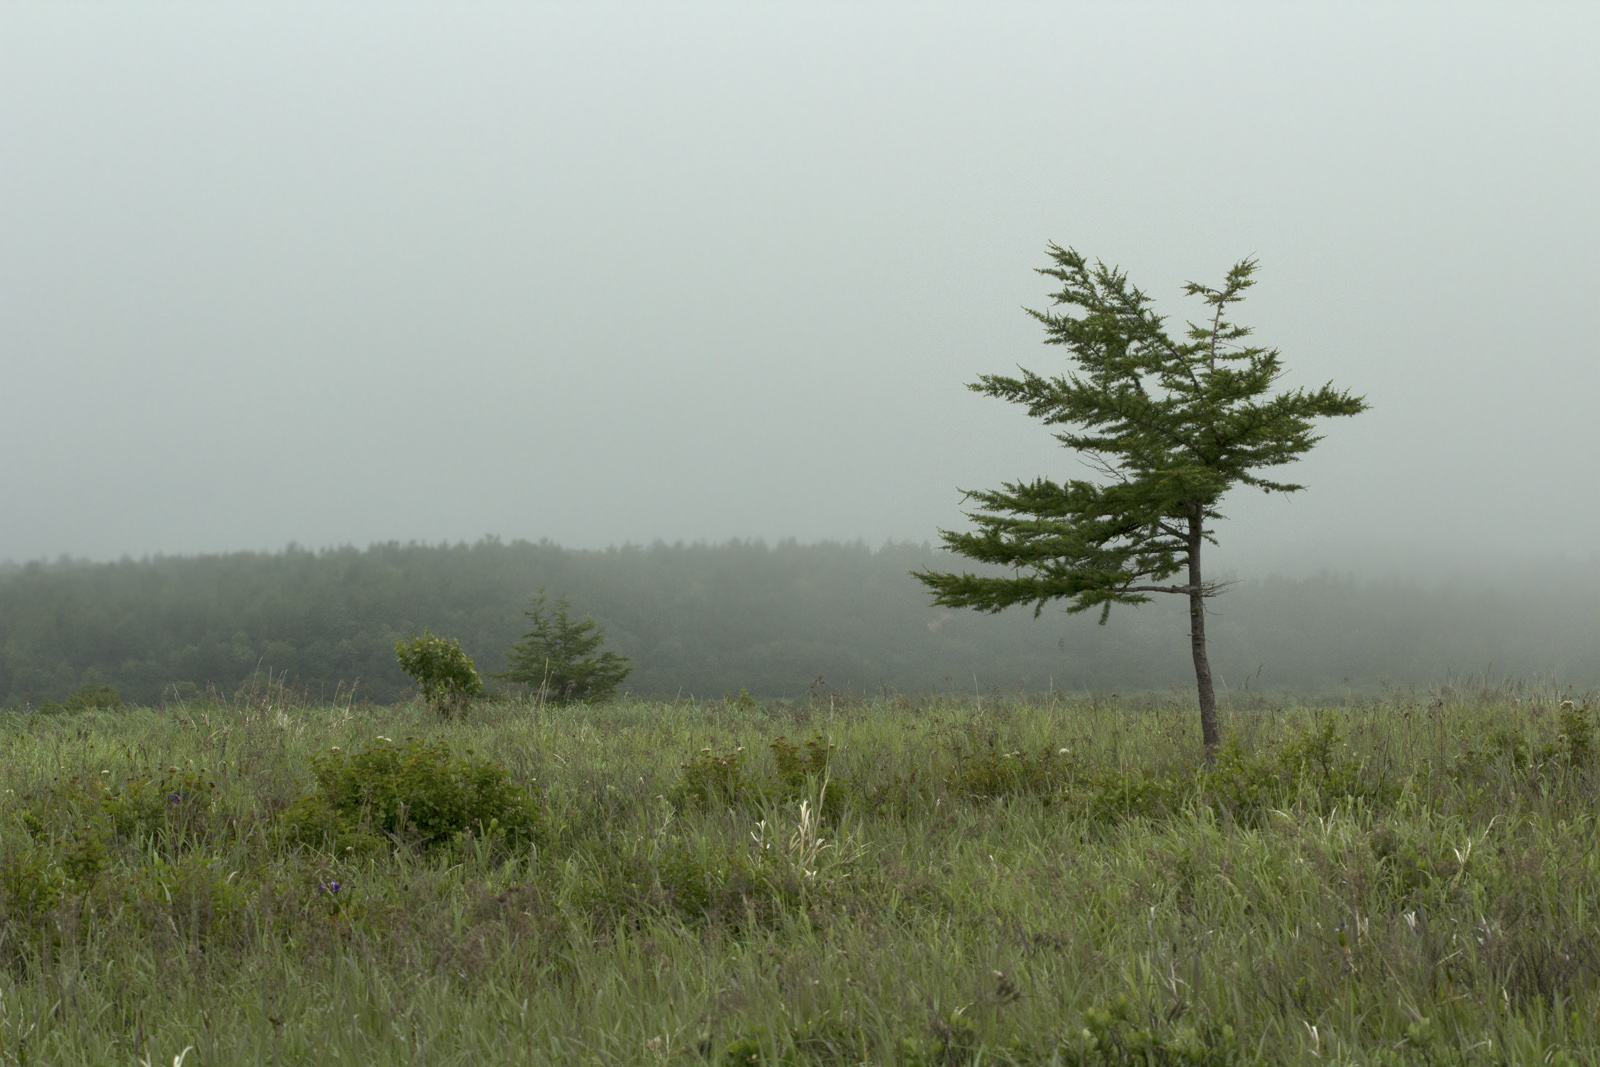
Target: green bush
415, 792
1116, 1037
699, 885
1109, 1037
712, 780
991, 771
808, 767
1313, 760
442, 670
88, 697
195, 894
797, 763
1112, 796
62, 804
692, 881
723, 780
31, 884
1411, 870
144, 803
1243, 785
180, 799
1577, 734
1308, 769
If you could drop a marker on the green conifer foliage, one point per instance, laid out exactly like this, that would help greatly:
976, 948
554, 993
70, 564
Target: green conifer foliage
561, 659
1168, 425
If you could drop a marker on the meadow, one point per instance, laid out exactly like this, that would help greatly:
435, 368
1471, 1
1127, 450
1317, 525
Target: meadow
1047, 879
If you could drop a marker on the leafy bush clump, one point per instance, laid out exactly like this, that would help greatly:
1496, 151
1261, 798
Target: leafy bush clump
694, 882
1577, 734
1508, 747
1109, 1037
442, 670
1313, 760
30, 885
195, 894
993, 772
807, 767
1115, 1037
1505, 745
179, 799
1112, 796
724, 780
712, 780
1412, 870
1309, 769
89, 696
1099, 794
796, 763
416, 792
700, 886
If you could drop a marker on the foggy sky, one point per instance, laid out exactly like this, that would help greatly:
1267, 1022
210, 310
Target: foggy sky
601, 274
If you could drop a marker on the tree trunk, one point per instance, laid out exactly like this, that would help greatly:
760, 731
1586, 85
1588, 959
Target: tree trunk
1210, 733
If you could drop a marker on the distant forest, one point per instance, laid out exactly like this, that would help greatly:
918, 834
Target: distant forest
704, 620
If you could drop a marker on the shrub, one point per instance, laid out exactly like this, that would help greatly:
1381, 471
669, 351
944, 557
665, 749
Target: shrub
722, 780
1313, 760
442, 670
88, 697
62, 804
1115, 1036
1245, 785
1503, 747
1577, 734
178, 800
693, 881
808, 766
985, 770
713, 780
417, 792
1308, 768
1112, 796
195, 895
699, 885
30, 885
562, 659
1411, 869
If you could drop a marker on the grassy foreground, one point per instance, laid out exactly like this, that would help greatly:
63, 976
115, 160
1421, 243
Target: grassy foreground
933, 881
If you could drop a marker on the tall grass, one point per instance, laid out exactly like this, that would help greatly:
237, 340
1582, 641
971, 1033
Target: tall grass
919, 881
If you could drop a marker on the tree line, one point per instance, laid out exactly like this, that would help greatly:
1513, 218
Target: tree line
705, 619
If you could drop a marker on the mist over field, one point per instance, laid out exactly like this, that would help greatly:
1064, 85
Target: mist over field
615, 274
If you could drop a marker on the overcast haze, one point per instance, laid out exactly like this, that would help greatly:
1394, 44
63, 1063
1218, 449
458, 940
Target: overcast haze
601, 274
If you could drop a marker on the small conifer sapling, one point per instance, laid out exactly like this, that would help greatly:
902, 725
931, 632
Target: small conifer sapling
561, 659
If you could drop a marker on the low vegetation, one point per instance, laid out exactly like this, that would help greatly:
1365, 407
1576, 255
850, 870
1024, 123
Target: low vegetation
929, 881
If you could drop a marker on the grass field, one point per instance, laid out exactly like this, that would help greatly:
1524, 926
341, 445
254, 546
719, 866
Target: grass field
917, 881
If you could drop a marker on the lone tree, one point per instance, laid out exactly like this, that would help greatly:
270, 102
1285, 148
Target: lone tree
562, 659
1169, 425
